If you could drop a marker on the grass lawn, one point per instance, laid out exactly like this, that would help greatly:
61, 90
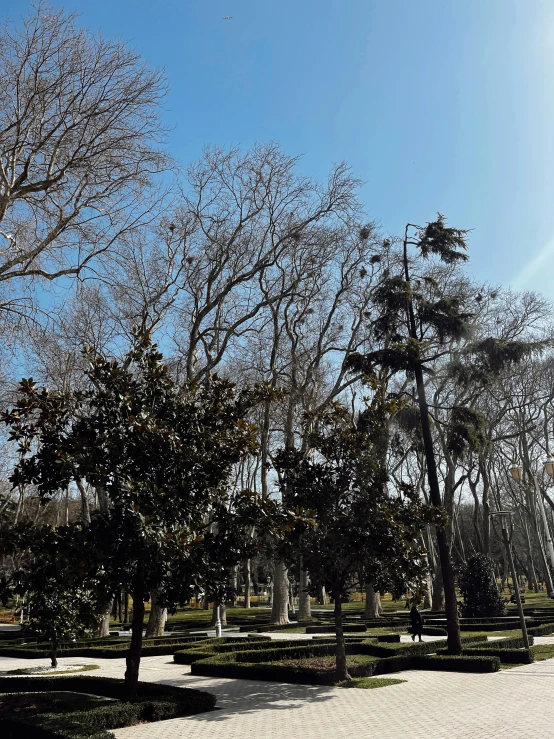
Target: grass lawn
368, 683
327, 662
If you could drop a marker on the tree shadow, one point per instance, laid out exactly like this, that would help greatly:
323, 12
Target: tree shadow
250, 696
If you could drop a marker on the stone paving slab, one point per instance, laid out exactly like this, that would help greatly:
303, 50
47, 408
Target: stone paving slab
430, 705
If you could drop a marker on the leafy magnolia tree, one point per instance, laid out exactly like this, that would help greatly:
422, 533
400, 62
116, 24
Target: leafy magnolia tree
416, 323
162, 455
479, 590
356, 527
64, 580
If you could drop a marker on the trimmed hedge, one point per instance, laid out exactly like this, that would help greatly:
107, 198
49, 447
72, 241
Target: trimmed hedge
227, 666
506, 656
107, 650
154, 703
330, 628
542, 630
458, 663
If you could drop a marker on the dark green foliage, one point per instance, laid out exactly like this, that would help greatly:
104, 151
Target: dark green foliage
446, 316
466, 430
447, 243
482, 361
478, 588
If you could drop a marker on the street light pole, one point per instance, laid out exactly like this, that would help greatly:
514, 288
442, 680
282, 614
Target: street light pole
507, 544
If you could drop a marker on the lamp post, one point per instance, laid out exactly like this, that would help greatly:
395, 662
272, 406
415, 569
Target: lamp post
506, 539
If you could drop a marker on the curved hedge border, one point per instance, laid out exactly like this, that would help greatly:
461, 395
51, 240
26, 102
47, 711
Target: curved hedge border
263, 664
154, 703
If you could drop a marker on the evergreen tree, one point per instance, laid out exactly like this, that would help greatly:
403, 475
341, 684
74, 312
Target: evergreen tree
478, 588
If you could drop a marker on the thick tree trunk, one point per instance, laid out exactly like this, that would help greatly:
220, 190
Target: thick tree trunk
247, 583
135, 648
437, 602
54, 655
126, 606
341, 672
279, 609
222, 613
322, 600
157, 618
372, 602
104, 628
234, 584
304, 604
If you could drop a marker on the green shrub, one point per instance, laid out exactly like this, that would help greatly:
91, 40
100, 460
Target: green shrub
458, 663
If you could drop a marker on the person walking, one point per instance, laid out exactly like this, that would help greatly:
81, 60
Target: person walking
417, 622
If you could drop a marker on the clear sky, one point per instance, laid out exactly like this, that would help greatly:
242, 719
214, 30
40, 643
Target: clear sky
438, 105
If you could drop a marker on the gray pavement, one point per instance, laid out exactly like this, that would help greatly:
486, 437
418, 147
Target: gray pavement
429, 705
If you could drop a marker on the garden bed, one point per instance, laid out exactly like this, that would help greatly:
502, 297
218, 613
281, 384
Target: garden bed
79, 715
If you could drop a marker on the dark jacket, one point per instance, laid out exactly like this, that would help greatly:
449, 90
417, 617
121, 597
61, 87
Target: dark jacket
416, 619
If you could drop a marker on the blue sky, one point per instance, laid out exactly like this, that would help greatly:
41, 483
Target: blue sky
438, 106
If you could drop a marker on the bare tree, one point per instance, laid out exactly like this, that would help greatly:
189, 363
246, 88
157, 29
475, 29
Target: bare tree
79, 142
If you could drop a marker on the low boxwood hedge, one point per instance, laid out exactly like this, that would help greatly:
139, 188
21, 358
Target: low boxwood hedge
105, 650
457, 663
227, 665
506, 656
542, 630
330, 628
154, 703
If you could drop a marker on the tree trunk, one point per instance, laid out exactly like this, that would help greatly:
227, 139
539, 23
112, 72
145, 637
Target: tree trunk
54, 655
279, 608
234, 584
247, 583
437, 602
304, 604
104, 628
372, 601
450, 601
135, 648
126, 607
222, 613
157, 618
341, 672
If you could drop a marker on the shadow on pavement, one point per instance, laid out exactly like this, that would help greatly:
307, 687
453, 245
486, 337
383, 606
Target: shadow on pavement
250, 696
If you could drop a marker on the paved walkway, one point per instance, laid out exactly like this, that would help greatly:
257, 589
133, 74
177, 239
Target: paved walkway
430, 705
